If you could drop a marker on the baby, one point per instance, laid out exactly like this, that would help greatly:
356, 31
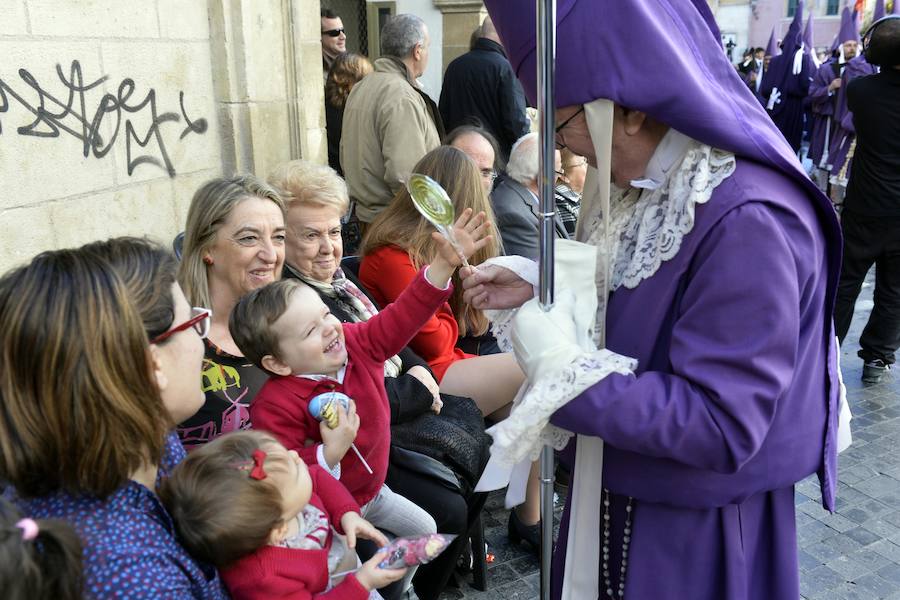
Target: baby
251, 507
287, 330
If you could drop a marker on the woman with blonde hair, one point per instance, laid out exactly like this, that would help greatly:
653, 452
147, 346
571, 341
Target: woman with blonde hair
397, 244
346, 70
233, 243
101, 354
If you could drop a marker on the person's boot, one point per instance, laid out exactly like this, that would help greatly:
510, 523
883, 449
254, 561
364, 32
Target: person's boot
874, 370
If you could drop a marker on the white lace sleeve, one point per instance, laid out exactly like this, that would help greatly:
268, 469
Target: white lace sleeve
527, 429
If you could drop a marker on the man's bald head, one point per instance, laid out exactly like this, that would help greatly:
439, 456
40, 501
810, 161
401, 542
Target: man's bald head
488, 31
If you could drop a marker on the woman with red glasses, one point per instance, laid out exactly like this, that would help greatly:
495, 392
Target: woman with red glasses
101, 353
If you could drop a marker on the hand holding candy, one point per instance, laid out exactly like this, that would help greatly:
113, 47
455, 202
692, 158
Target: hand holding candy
337, 412
372, 576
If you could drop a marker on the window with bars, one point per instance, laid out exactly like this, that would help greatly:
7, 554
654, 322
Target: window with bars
832, 7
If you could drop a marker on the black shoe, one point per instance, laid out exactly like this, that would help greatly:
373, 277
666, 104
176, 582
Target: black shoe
520, 532
874, 370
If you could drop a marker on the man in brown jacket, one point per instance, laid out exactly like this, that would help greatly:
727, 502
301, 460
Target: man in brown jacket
389, 123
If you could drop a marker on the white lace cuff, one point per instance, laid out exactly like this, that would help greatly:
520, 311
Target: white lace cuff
527, 429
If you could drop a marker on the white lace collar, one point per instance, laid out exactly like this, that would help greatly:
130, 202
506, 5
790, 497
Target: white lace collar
647, 225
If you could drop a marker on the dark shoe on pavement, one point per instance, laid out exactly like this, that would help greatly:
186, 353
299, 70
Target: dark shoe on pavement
520, 532
874, 370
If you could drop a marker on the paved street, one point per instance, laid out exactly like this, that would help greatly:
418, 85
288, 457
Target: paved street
852, 554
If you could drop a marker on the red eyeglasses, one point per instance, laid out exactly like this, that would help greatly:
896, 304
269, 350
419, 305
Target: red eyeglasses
200, 319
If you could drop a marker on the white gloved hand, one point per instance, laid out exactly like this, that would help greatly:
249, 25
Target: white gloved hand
544, 342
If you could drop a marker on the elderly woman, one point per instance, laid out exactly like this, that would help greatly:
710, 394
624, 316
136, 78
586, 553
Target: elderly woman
315, 198
102, 354
233, 243
714, 273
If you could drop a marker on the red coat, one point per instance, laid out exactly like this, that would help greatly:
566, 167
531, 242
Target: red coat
276, 572
281, 405
385, 273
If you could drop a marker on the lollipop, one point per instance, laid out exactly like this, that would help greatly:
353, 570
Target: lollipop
432, 201
324, 407
408, 551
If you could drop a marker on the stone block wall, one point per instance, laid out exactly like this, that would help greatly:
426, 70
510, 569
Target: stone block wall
112, 112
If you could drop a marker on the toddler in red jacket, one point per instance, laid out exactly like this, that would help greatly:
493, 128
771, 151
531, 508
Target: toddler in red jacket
287, 330
271, 525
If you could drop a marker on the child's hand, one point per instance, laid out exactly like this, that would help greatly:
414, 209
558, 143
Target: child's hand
338, 440
471, 235
372, 577
355, 526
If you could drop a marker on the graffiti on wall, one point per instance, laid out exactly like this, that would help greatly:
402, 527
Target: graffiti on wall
64, 109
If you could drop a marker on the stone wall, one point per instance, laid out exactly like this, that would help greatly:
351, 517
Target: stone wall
112, 112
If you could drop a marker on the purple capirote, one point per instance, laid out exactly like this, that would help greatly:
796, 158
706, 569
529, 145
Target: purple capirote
735, 398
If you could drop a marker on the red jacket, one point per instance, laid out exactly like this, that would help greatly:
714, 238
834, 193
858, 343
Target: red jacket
280, 407
385, 273
276, 572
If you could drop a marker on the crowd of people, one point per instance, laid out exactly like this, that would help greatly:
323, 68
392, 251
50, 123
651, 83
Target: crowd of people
163, 431
844, 131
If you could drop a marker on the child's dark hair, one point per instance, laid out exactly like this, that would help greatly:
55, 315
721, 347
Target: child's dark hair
39, 558
221, 513
251, 320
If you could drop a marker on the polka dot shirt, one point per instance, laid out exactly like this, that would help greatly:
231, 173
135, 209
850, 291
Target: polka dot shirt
130, 550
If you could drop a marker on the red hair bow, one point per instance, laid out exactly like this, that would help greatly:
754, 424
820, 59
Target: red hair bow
259, 458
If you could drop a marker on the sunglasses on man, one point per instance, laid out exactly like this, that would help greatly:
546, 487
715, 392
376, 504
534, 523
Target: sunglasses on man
333, 32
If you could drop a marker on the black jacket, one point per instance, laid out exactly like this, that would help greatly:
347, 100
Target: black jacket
481, 88
874, 186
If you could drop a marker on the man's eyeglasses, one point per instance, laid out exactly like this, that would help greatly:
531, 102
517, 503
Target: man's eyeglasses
489, 174
562, 126
200, 319
333, 32
577, 163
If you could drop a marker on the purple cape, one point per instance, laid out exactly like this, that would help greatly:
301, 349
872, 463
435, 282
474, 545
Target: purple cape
736, 395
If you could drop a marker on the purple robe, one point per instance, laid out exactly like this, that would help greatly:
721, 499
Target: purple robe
822, 106
844, 133
725, 411
787, 113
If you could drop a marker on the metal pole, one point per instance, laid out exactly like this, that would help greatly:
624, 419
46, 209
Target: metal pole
546, 79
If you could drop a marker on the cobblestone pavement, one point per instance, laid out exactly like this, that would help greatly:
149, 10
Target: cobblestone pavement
852, 554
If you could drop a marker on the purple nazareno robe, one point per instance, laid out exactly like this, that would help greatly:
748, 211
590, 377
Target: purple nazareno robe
844, 133
822, 106
725, 411
735, 398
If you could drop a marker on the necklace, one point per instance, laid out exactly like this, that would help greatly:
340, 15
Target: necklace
626, 542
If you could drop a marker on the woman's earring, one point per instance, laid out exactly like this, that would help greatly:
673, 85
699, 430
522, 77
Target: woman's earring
208, 260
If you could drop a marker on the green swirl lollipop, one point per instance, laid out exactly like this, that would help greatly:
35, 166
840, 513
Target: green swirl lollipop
432, 201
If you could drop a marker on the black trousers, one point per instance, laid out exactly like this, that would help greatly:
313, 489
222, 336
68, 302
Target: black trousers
871, 241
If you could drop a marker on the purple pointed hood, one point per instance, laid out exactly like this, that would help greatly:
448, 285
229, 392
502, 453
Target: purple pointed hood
793, 38
680, 77
808, 35
772, 46
849, 30
878, 13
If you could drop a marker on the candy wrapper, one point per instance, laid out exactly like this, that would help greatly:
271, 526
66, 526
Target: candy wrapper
324, 407
408, 551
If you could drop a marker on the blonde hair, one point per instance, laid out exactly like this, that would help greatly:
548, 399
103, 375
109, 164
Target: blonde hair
222, 514
82, 411
346, 70
210, 207
308, 183
400, 224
